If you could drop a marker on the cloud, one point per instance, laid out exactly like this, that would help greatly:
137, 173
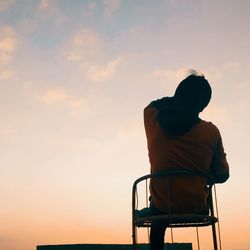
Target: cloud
85, 48
228, 68
5, 4
183, 3
209, 73
76, 103
51, 12
44, 4
132, 131
88, 8
102, 73
6, 74
53, 96
60, 96
170, 75
84, 45
7, 132
8, 44
232, 66
110, 6
213, 74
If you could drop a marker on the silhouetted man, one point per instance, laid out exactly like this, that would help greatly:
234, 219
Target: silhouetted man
178, 139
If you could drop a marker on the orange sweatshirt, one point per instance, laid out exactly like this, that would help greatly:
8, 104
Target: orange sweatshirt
199, 149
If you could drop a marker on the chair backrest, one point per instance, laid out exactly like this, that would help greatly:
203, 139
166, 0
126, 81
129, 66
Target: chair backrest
169, 175
172, 219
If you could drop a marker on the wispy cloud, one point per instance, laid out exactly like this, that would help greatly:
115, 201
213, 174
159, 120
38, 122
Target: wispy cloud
110, 6
8, 44
6, 74
210, 73
76, 103
43, 4
170, 75
86, 49
5, 4
53, 96
102, 73
132, 130
61, 96
89, 7
232, 66
52, 12
6, 132
228, 68
183, 3
84, 45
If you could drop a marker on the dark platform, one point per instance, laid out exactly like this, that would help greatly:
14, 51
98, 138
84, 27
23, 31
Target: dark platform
168, 246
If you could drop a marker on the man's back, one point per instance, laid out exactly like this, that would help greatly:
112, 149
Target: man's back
194, 150
178, 139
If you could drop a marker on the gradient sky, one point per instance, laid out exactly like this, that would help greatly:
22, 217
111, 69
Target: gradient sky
74, 79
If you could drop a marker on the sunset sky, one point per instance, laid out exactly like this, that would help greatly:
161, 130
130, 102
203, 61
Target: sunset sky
75, 76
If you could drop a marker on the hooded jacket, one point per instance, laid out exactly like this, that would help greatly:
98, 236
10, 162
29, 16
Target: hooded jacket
180, 140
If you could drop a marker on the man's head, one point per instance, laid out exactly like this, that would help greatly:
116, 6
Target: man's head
193, 93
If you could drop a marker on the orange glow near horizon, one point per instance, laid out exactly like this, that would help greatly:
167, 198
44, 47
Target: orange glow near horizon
75, 77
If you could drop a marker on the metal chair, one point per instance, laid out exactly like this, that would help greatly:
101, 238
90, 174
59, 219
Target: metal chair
172, 220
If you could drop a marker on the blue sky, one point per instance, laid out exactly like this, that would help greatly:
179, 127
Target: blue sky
75, 77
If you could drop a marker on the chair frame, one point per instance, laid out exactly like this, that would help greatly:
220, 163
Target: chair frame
171, 220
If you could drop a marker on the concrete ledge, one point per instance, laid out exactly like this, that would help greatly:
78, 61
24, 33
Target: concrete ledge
168, 246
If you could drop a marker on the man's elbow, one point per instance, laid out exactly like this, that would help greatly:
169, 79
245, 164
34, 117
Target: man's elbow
222, 178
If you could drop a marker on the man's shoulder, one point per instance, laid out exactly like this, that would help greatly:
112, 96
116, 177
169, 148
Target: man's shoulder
150, 115
209, 126
150, 109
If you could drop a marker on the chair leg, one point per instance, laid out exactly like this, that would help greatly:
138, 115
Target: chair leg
134, 246
214, 237
134, 237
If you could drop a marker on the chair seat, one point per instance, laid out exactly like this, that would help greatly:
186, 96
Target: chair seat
176, 220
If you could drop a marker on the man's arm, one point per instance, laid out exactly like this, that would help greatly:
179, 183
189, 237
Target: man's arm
161, 103
219, 168
151, 113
